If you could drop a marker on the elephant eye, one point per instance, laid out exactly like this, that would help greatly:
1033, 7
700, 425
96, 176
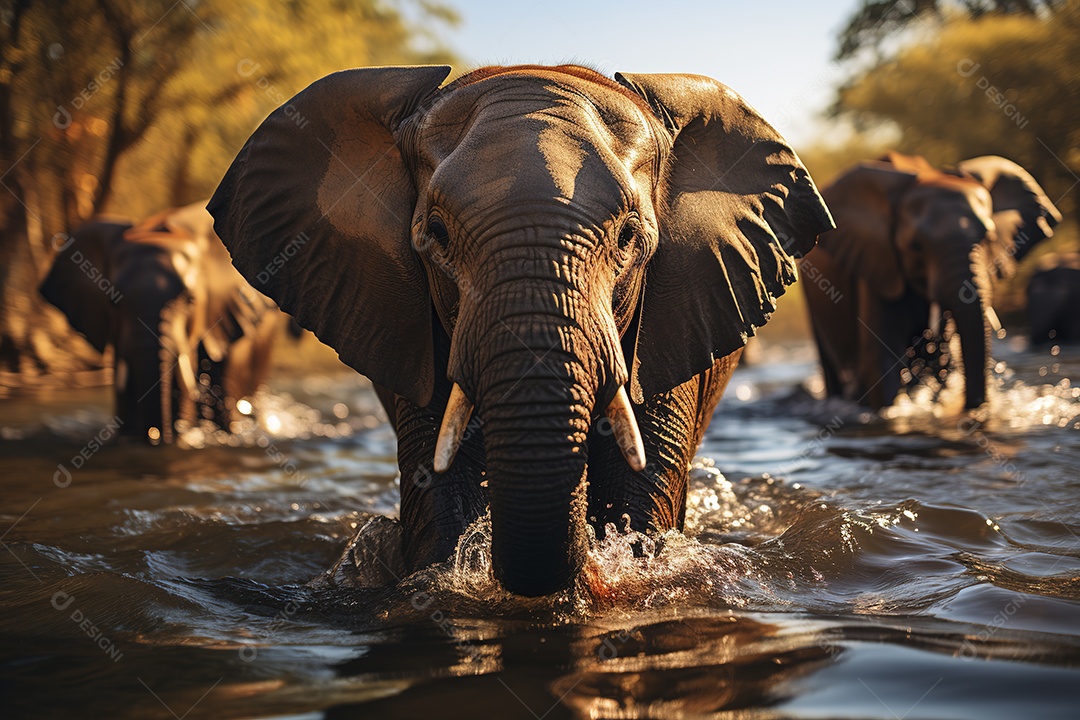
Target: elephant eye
628, 233
437, 231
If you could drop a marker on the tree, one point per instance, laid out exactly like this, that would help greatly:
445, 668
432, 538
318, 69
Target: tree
999, 85
127, 106
877, 20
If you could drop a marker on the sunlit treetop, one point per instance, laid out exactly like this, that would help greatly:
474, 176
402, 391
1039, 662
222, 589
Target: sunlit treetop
877, 20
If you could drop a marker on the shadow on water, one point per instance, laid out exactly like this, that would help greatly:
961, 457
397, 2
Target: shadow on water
836, 563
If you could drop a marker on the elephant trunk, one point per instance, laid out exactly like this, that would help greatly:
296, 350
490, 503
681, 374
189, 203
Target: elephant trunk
540, 360
965, 293
536, 420
974, 332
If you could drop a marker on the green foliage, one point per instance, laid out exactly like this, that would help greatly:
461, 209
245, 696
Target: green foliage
156, 96
877, 20
131, 106
1000, 85
256, 58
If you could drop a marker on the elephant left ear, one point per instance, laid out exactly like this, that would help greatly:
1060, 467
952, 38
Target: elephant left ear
740, 208
1023, 213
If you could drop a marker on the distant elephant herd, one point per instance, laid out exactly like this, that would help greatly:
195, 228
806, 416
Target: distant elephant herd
189, 335
577, 261
913, 242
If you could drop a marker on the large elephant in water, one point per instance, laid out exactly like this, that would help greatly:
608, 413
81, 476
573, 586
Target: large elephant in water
190, 336
913, 242
539, 247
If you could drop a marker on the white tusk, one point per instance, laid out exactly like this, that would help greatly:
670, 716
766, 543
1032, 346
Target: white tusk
626, 430
992, 318
455, 419
935, 319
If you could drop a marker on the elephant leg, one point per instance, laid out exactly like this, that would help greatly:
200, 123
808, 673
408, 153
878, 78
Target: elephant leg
831, 302
833, 386
389, 403
219, 404
887, 330
436, 508
878, 369
672, 425
145, 386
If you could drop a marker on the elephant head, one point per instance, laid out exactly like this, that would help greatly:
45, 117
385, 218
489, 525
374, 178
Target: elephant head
567, 235
1053, 299
908, 229
165, 296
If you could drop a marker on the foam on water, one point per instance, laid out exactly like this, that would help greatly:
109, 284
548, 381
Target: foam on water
759, 544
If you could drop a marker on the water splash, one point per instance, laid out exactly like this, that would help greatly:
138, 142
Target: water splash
758, 544
267, 417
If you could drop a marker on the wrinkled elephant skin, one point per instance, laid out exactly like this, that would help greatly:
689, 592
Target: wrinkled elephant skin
549, 274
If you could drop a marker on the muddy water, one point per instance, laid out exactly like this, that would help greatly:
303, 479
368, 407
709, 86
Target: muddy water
836, 564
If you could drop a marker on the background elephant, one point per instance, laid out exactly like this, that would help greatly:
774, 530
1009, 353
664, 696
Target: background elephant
189, 335
911, 243
528, 242
1053, 300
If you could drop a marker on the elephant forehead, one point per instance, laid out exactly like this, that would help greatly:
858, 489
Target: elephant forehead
538, 133
948, 212
530, 159
952, 195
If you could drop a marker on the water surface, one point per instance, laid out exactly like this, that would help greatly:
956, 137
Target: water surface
836, 564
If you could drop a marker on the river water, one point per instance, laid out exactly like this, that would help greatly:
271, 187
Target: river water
836, 564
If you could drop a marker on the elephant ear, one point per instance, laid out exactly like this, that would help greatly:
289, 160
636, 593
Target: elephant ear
316, 211
80, 281
1023, 213
907, 163
740, 206
864, 201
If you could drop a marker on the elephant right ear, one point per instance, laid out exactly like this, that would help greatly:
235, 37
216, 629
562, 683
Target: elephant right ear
740, 207
863, 202
1023, 213
80, 281
316, 212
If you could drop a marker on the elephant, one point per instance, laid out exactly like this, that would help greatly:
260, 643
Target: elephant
573, 261
1053, 300
911, 243
189, 335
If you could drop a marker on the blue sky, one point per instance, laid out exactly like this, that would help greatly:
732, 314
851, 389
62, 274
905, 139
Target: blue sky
777, 54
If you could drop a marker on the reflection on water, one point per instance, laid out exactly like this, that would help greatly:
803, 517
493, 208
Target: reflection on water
836, 563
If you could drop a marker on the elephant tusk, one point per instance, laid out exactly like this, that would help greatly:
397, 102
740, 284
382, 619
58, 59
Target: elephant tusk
935, 319
455, 419
626, 430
